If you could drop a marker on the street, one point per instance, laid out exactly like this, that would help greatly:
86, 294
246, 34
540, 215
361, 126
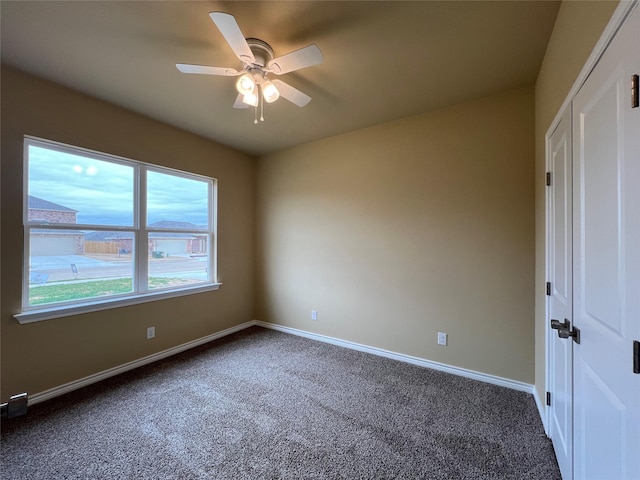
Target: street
46, 269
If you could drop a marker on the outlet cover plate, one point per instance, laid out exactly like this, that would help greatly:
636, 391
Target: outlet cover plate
442, 338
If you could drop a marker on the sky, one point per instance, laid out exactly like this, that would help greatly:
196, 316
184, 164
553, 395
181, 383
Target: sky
102, 192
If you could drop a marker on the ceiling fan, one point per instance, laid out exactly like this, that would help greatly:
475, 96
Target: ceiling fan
257, 61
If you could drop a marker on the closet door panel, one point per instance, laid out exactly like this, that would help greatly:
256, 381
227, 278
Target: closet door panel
606, 221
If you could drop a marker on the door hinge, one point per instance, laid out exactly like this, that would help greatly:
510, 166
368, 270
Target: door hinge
549, 289
635, 97
548, 179
636, 356
548, 399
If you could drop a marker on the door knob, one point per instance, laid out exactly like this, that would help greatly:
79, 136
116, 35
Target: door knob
556, 325
565, 331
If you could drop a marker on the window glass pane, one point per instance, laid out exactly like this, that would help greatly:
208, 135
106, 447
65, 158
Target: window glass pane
73, 194
73, 265
177, 259
71, 188
175, 202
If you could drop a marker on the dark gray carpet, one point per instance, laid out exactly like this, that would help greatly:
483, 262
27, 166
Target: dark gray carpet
261, 404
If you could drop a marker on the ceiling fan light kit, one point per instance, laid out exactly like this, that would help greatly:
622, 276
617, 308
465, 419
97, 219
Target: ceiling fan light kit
257, 60
269, 91
250, 99
245, 84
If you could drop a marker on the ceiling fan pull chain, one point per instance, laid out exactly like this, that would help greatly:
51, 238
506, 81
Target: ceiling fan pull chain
261, 104
255, 116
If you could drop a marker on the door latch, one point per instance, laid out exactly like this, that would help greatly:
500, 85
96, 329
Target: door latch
565, 330
556, 325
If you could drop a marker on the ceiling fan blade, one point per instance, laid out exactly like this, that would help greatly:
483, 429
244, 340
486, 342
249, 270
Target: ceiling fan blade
233, 35
239, 103
203, 69
292, 94
305, 57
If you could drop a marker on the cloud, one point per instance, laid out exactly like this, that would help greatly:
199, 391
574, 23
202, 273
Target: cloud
103, 192
176, 198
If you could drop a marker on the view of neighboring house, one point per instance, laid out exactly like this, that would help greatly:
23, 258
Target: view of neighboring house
73, 242
169, 243
177, 242
43, 210
53, 242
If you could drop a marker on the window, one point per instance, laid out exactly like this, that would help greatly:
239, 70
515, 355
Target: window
101, 230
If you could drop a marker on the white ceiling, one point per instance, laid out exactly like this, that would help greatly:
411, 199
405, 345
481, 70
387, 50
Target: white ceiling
383, 60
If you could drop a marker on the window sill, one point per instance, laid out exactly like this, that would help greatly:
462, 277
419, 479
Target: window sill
48, 313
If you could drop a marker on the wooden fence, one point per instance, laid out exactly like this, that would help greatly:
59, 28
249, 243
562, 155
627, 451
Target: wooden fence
100, 247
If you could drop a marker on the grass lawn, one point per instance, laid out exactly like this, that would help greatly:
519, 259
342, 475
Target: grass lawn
64, 291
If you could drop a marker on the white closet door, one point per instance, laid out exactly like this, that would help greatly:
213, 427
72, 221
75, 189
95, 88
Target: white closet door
606, 131
559, 274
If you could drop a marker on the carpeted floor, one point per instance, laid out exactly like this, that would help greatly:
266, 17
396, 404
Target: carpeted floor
261, 404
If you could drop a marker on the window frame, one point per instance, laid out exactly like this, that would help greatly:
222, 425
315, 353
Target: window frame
139, 227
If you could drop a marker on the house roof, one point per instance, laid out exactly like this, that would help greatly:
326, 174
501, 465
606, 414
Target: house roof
36, 203
176, 225
107, 236
57, 231
113, 236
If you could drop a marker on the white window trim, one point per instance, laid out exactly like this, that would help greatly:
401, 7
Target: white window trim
97, 305
38, 313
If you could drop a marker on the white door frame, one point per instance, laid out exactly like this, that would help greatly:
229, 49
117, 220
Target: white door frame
619, 15
559, 210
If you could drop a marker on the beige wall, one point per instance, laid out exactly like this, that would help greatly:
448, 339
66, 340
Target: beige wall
577, 29
402, 230
46, 354
392, 233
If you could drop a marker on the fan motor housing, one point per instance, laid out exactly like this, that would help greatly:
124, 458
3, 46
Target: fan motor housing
262, 52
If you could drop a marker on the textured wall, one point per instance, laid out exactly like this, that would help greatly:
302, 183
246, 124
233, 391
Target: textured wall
399, 231
47, 354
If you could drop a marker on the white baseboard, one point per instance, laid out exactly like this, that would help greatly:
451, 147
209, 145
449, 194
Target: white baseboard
463, 372
83, 382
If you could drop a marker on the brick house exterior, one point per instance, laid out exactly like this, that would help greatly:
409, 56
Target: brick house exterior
43, 210
53, 242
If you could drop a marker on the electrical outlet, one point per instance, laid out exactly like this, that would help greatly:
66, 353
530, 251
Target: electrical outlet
151, 332
314, 315
442, 338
